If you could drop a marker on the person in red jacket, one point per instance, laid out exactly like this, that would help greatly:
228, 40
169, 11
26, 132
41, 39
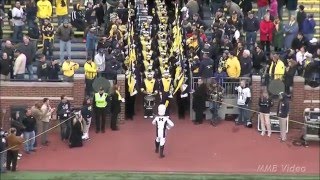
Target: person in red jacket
266, 29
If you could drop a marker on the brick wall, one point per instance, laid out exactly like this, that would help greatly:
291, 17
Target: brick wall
28, 93
302, 97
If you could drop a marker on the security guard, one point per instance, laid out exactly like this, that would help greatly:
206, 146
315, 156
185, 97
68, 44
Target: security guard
90, 71
100, 102
149, 88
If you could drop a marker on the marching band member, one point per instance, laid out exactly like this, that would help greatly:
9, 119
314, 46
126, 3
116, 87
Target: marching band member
149, 88
182, 95
162, 123
166, 88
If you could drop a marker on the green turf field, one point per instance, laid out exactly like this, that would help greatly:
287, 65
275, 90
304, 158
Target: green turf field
140, 176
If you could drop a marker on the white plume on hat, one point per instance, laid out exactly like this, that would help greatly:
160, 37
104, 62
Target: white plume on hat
161, 110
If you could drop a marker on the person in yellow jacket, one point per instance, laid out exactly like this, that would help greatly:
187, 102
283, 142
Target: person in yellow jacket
277, 68
61, 10
233, 65
90, 72
69, 68
44, 10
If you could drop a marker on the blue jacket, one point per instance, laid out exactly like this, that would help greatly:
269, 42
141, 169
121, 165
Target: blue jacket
308, 26
91, 41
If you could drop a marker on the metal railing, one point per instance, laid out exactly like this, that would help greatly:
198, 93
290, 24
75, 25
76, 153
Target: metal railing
228, 84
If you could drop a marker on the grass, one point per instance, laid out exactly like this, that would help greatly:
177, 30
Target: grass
142, 176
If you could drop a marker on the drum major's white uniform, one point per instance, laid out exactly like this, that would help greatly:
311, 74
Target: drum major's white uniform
162, 123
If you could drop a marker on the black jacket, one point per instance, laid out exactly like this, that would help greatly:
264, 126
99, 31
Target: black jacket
265, 105
43, 70
199, 98
206, 68
246, 65
4, 67
29, 123
115, 103
283, 107
86, 112
53, 72
63, 110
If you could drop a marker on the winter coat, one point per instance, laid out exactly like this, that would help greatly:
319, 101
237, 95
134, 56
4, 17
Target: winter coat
266, 30
44, 9
278, 36
292, 5
290, 33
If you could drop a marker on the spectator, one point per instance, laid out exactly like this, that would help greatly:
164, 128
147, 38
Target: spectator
266, 32
8, 48
112, 66
206, 68
44, 10
231, 7
43, 68
301, 16
31, 12
281, 3
14, 143
61, 10
2, 149
34, 35
265, 104
54, 69
77, 18
100, 61
199, 102
69, 67
19, 68
278, 35
246, 6
263, 6
292, 7
87, 114
215, 5
291, 30
193, 7
308, 27
45, 120
27, 48
277, 68
312, 46
18, 18
246, 64
47, 32
115, 108
282, 113
244, 98
298, 42
289, 75
63, 113
37, 114
233, 66
99, 10
235, 21
4, 67
91, 42
259, 59
2, 18
29, 123
273, 10
250, 27
65, 34
90, 71
75, 139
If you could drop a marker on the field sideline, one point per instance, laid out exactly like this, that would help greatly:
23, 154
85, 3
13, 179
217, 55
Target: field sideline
142, 176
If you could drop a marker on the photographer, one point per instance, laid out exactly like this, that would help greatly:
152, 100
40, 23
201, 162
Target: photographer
14, 143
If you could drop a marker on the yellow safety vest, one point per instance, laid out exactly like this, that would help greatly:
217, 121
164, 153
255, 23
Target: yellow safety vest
101, 100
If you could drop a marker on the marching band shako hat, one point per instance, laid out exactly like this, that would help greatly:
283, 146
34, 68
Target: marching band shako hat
162, 109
